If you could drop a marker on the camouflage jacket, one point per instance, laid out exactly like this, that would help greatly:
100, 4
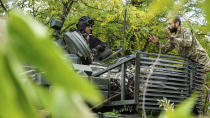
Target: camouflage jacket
187, 46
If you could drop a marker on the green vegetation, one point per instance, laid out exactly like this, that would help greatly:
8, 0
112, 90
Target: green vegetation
24, 41
29, 42
183, 110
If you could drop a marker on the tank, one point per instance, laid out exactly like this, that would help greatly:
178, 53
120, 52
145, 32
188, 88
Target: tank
124, 82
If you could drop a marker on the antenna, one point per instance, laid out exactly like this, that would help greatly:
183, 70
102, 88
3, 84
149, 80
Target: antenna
123, 41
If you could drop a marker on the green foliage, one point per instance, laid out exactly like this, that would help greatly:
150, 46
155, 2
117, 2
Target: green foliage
13, 99
143, 18
124, 109
206, 7
29, 42
166, 104
111, 114
43, 46
183, 110
148, 16
117, 112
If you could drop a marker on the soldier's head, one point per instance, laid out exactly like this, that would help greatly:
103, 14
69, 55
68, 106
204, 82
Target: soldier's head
174, 24
85, 24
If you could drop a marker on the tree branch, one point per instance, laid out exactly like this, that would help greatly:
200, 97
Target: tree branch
67, 27
33, 8
3, 6
136, 2
22, 5
90, 6
203, 34
66, 9
95, 7
114, 21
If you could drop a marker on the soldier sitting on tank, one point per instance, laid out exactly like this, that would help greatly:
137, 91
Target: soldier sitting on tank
184, 42
84, 27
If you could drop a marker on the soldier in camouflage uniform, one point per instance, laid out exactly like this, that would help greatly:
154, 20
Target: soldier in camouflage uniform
184, 42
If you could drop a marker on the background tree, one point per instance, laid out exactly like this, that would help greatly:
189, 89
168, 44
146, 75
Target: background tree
143, 17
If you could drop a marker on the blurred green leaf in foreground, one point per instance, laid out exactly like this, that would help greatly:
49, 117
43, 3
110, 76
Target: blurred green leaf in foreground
29, 42
183, 110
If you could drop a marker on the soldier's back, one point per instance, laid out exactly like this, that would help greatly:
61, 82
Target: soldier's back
188, 46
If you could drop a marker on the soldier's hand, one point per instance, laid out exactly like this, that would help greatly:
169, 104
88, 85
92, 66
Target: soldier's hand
92, 54
153, 38
87, 37
207, 70
168, 33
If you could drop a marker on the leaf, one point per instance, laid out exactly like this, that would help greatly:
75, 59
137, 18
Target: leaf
157, 7
206, 7
31, 42
176, 8
183, 110
13, 99
68, 106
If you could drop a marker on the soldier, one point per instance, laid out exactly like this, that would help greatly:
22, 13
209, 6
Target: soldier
184, 42
84, 27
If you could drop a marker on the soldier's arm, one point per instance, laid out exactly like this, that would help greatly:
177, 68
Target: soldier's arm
97, 44
169, 46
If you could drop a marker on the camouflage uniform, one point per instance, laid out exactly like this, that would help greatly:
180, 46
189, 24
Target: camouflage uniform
187, 46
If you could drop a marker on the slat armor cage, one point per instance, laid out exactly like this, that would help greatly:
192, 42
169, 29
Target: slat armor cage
172, 77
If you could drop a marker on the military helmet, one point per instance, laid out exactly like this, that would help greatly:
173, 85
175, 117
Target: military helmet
83, 22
